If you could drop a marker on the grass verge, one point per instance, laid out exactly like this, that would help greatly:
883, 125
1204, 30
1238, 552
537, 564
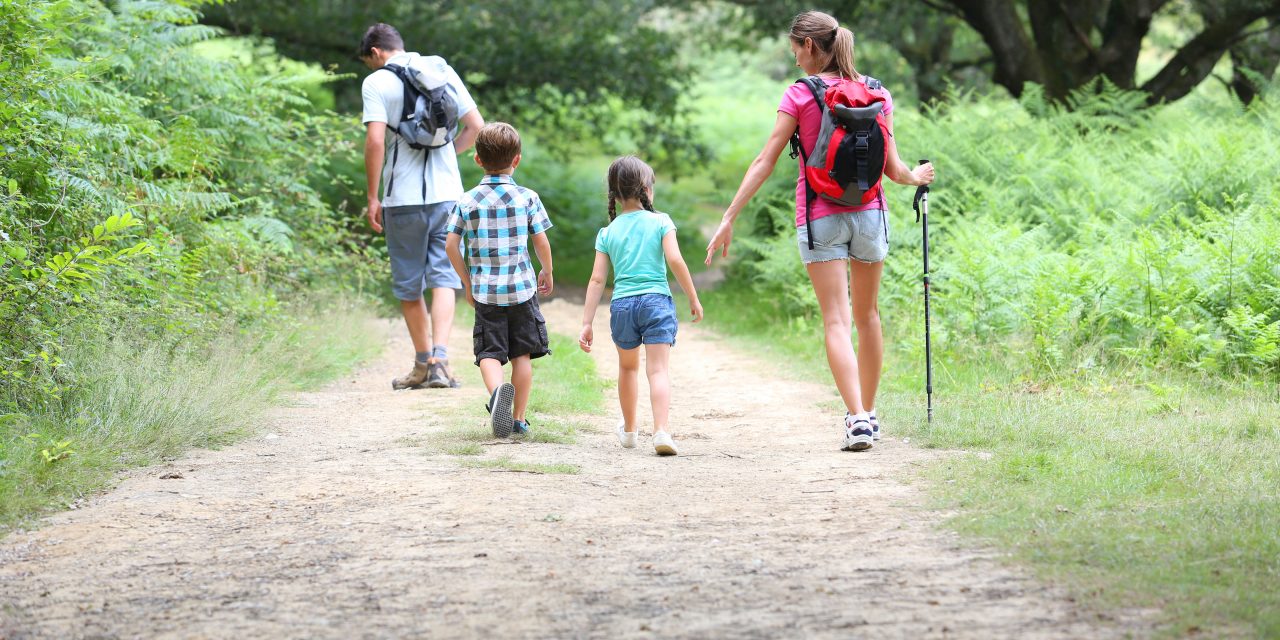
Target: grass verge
1133, 488
505, 463
136, 404
565, 388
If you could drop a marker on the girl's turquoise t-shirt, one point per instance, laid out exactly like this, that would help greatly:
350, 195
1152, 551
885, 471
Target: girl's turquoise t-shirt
633, 242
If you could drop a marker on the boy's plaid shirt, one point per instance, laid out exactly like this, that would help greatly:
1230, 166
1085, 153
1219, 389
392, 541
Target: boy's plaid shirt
495, 220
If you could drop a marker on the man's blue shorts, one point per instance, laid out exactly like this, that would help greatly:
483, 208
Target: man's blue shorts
416, 240
648, 318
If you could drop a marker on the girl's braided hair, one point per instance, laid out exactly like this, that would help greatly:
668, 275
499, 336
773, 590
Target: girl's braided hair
629, 178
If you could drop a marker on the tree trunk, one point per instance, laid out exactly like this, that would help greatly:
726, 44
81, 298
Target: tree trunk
1017, 62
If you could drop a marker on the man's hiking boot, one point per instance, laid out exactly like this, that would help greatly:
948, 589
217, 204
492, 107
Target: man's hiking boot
439, 376
415, 378
499, 408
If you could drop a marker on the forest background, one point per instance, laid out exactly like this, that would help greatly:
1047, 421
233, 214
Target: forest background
181, 238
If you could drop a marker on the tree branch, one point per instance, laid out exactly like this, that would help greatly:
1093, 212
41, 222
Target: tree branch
1195, 60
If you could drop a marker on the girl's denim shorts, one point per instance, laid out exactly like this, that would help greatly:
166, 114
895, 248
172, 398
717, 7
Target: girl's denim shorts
648, 318
859, 235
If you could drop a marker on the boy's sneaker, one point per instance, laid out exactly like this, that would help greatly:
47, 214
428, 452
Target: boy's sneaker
414, 379
664, 444
440, 377
857, 434
500, 410
626, 438
519, 429
875, 426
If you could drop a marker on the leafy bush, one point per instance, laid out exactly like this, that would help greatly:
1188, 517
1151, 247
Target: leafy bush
150, 188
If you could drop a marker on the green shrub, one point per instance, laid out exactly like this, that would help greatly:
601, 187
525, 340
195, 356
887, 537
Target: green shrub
142, 176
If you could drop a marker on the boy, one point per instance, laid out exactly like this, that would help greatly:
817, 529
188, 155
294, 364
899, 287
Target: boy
496, 219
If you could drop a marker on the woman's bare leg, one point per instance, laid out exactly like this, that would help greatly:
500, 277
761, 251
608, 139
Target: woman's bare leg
831, 284
864, 288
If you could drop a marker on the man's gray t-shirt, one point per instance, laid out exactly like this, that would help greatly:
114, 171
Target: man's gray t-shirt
383, 95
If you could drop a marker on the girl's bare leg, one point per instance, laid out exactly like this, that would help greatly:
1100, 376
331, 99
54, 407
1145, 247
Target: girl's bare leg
629, 384
657, 357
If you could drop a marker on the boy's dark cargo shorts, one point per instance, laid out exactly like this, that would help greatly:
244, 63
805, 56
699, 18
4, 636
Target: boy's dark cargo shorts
506, 332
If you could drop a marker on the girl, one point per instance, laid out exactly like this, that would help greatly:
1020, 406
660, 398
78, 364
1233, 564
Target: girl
849, 243
640, 243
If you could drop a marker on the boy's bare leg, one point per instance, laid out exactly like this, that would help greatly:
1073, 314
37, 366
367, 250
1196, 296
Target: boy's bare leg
629, 385
491, 371
415, 318
656, 358
443, 301
522, 380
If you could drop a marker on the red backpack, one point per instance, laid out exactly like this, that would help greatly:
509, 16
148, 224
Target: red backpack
848, 160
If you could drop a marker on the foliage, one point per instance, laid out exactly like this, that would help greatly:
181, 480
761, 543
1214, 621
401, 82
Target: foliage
149, 188
607, 75
1097, 233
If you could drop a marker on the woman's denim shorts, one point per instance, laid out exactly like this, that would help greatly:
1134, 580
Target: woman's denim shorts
860, 235
648, 318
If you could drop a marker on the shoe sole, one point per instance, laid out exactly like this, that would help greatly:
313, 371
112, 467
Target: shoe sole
665, 450
857, 443
501, 419
440, 384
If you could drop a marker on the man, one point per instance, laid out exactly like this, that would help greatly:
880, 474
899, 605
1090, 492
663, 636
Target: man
420, 187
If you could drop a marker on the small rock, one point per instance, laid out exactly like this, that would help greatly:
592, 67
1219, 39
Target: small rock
172, 475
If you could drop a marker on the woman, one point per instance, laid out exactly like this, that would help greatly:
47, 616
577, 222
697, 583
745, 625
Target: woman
849, 243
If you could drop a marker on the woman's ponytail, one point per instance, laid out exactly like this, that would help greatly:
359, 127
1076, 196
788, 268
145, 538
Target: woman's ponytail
842, 55
833, 40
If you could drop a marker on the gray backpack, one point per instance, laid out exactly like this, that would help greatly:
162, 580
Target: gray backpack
430, 116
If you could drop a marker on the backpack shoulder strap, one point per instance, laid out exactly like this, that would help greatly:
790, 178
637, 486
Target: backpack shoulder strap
816, 87
410, 91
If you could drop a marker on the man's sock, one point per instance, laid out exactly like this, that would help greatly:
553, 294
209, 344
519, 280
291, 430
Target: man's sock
440, 352
421, 357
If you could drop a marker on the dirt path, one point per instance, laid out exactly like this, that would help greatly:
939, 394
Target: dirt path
338, 523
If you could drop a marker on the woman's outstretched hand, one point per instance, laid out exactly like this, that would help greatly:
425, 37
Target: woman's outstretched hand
720, 241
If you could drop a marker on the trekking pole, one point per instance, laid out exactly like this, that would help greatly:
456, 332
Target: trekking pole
921, 205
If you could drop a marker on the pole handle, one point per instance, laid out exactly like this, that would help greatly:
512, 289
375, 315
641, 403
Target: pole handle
921, 192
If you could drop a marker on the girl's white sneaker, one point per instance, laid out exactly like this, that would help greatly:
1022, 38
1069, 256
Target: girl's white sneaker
664, 444
628, 439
